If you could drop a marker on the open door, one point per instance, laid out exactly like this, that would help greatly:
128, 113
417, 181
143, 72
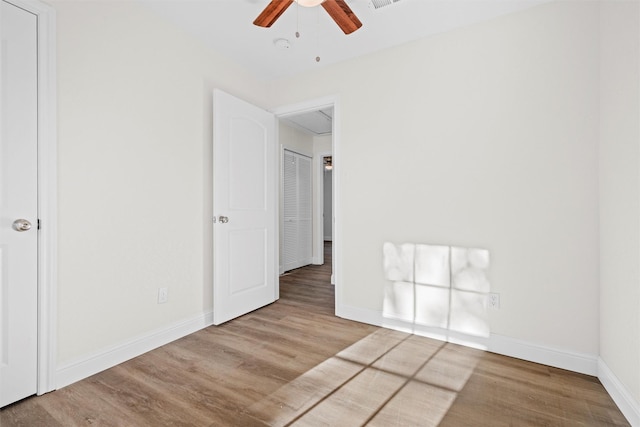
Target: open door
18, 205
244, 204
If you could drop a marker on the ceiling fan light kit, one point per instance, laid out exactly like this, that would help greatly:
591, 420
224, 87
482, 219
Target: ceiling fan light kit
377, 4
309, 3
339, 11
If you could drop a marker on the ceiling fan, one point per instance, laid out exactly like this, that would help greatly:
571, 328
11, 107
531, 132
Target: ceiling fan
337, 9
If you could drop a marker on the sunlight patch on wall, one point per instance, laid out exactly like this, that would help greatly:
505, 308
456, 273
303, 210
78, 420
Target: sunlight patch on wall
439, 288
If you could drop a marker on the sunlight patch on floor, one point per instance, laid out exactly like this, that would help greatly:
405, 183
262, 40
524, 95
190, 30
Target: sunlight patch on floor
388, 378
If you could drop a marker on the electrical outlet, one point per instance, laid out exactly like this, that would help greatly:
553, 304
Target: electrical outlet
493, 301
163, 295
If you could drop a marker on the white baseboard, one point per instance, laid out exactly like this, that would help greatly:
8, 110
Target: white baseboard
357, 314
107, 358
545, 355
629, 407
583, 363
507, 346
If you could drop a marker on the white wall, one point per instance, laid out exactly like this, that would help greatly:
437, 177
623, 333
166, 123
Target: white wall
322, 144
620, 193
295, 140
481, 137
134, 150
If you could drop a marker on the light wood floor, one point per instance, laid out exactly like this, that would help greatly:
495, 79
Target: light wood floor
294, 363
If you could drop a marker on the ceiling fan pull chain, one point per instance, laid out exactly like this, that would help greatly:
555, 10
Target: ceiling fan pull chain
297, 20
318, 33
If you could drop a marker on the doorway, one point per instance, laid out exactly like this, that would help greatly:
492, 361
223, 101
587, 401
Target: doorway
327, 148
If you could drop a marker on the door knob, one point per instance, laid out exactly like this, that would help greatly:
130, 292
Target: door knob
21, 225
223, 219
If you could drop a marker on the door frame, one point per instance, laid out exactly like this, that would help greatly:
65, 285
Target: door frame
47, 191
314, 105
319, 177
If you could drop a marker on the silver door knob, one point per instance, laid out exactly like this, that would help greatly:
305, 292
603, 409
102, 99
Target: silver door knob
21, 225
223, 219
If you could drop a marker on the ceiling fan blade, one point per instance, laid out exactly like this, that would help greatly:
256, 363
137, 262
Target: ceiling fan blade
343, 15
272, 12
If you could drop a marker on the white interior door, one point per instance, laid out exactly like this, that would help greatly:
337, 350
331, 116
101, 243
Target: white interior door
297, 248
18, 204
244, 202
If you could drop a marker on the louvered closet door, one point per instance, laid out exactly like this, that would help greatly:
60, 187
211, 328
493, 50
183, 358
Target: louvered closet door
297, 229
290, 228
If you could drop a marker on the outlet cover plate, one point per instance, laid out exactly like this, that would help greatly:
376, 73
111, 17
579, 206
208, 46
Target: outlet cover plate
163, 295
493, 301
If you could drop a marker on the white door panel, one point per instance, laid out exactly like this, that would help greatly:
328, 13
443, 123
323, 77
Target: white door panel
244, 245
245, 251
18, 200
247, 165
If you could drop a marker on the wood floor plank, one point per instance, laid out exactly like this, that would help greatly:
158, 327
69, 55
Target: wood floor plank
374, 346
354, 402
416, 404
450, 367
409, 356
295, 363
296, 398
28, 413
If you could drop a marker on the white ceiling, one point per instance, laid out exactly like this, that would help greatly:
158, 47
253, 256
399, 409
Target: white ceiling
313, 122
227, 27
